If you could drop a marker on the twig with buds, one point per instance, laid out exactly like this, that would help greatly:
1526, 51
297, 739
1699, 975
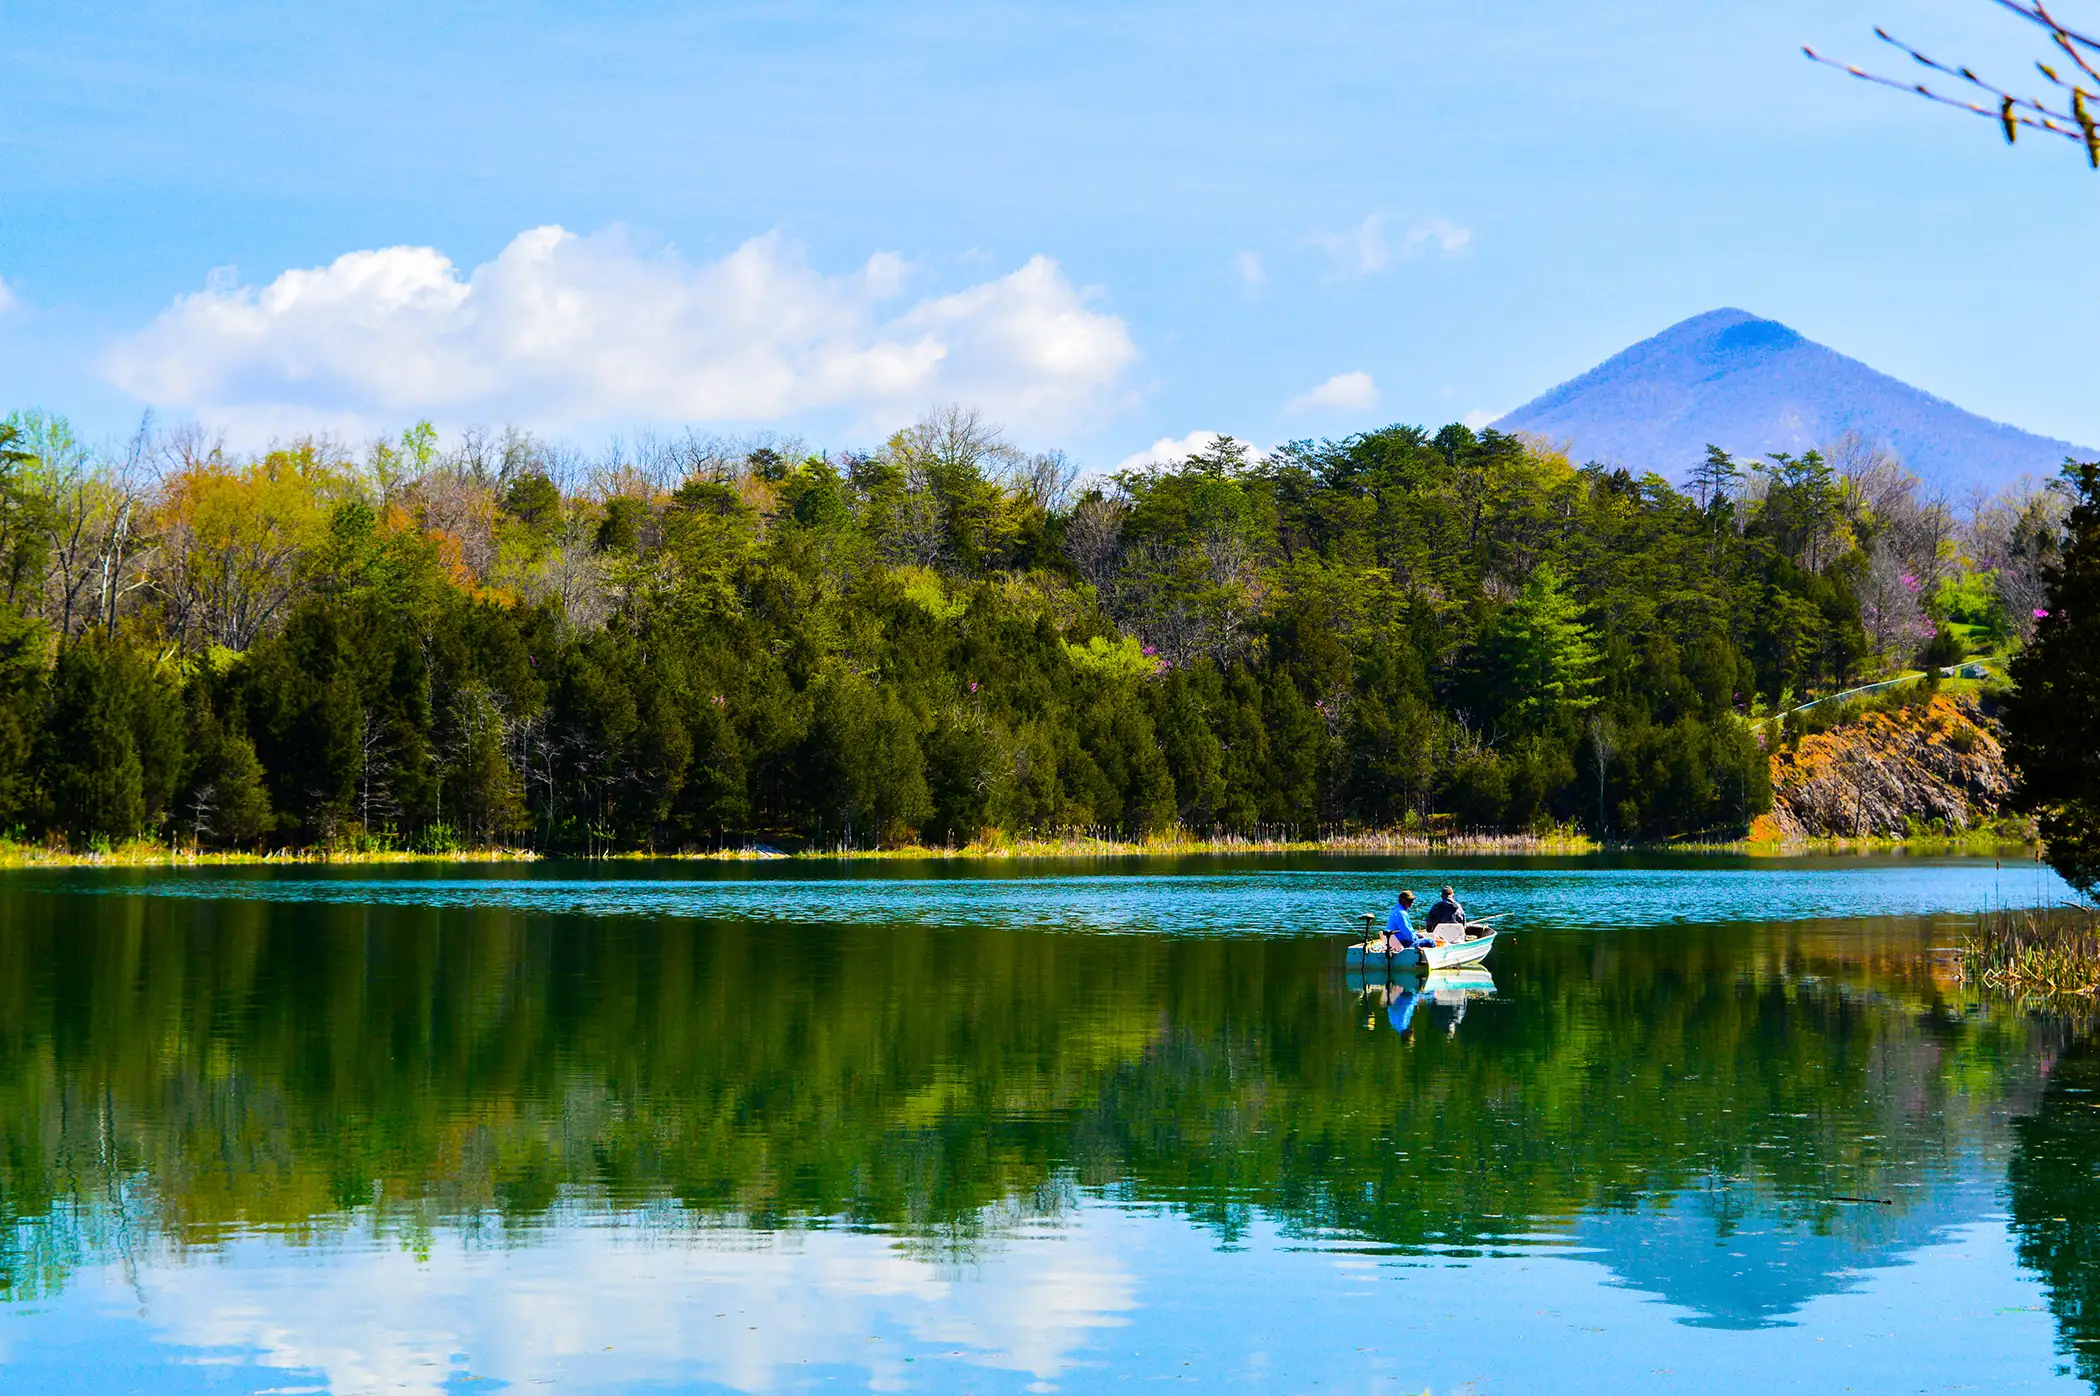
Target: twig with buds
2073, 115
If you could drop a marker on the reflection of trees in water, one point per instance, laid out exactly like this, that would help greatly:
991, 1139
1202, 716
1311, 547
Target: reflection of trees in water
2054, 1186
1608, 1075
244, 1065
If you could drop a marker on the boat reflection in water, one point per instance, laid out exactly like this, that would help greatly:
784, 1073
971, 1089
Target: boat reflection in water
1445, 992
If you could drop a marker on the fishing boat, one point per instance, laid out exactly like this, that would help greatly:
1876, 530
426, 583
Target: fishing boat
1449, 955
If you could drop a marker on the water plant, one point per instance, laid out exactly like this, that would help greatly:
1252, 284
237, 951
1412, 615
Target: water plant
2053, 951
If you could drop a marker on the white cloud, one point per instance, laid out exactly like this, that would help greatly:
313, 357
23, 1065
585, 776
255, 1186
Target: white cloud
1480, 417
604, 1306
1366, 250
1362, 250
7, 297
1345, 392
1248, 268
561, 330
1173, 450
1437, 235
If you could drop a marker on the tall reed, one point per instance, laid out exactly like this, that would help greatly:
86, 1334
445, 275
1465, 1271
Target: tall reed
2053, 951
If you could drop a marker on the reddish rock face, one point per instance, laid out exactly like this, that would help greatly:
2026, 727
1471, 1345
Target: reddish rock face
1937, 767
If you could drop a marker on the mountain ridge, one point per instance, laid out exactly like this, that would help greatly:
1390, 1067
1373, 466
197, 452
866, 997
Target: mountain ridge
1755, 386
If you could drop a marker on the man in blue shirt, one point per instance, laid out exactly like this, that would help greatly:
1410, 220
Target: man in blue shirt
1399, 931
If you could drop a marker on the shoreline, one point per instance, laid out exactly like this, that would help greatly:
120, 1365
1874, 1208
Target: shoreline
1559, 844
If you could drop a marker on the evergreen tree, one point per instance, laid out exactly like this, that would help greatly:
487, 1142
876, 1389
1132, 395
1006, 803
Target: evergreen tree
25, 518
1541, 652
242, 814
1802, 507
89, 766
2052, 718
228, 801
1716, 479
868, 772
306, 715
532, 500
21, 709
486, 794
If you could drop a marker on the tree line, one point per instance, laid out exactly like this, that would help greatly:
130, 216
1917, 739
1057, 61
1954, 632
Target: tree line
687, 643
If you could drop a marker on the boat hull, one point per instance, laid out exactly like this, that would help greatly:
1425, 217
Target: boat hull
1464, 952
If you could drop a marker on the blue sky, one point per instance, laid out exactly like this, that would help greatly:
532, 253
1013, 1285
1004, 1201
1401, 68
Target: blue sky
1108, 224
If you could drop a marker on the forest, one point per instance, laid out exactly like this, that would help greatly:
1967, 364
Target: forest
690, 644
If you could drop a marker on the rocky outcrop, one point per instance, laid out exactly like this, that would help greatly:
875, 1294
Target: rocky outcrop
1933, 766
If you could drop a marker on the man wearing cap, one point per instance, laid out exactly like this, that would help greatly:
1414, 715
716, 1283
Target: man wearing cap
1399, 931
1447, 919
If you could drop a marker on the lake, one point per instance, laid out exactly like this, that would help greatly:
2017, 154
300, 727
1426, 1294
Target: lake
1706, 1122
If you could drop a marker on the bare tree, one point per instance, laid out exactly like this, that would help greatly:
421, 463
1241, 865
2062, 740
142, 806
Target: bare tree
187, 445
1892, 603
1603, 745
562, 463
2069, 106
1906, 532
2016, 535
1093, 537
1868, 468
917, 535
375, 796
570, 570
124, 543
1043, 479
459, 510
1190, 599
70, 535
477, 456
92, 527
957, 438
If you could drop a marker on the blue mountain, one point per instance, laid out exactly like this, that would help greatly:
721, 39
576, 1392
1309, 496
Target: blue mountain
1754, 386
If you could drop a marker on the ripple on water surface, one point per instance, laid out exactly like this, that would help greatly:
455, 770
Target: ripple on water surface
1284, 901
614, 1129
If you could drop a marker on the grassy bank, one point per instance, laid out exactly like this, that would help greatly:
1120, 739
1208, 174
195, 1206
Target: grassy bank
142, 853
1078, 844
1565, 841
1178, 844
1994, 837
2051, 953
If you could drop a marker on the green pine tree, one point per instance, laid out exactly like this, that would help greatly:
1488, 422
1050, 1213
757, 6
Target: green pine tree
2052, 719
1543, 651
92, 778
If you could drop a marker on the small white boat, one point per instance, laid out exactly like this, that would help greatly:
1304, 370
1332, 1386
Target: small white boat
1447, 956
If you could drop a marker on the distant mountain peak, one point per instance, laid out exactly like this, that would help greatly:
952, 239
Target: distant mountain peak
1751, 335
1755, 386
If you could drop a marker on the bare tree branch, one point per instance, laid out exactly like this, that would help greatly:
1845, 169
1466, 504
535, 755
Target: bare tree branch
2073, 117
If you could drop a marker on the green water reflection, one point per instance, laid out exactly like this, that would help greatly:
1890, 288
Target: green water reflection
1734, 1117
2055, 1203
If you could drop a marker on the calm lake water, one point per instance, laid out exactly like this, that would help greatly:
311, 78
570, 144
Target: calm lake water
1714, 1124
